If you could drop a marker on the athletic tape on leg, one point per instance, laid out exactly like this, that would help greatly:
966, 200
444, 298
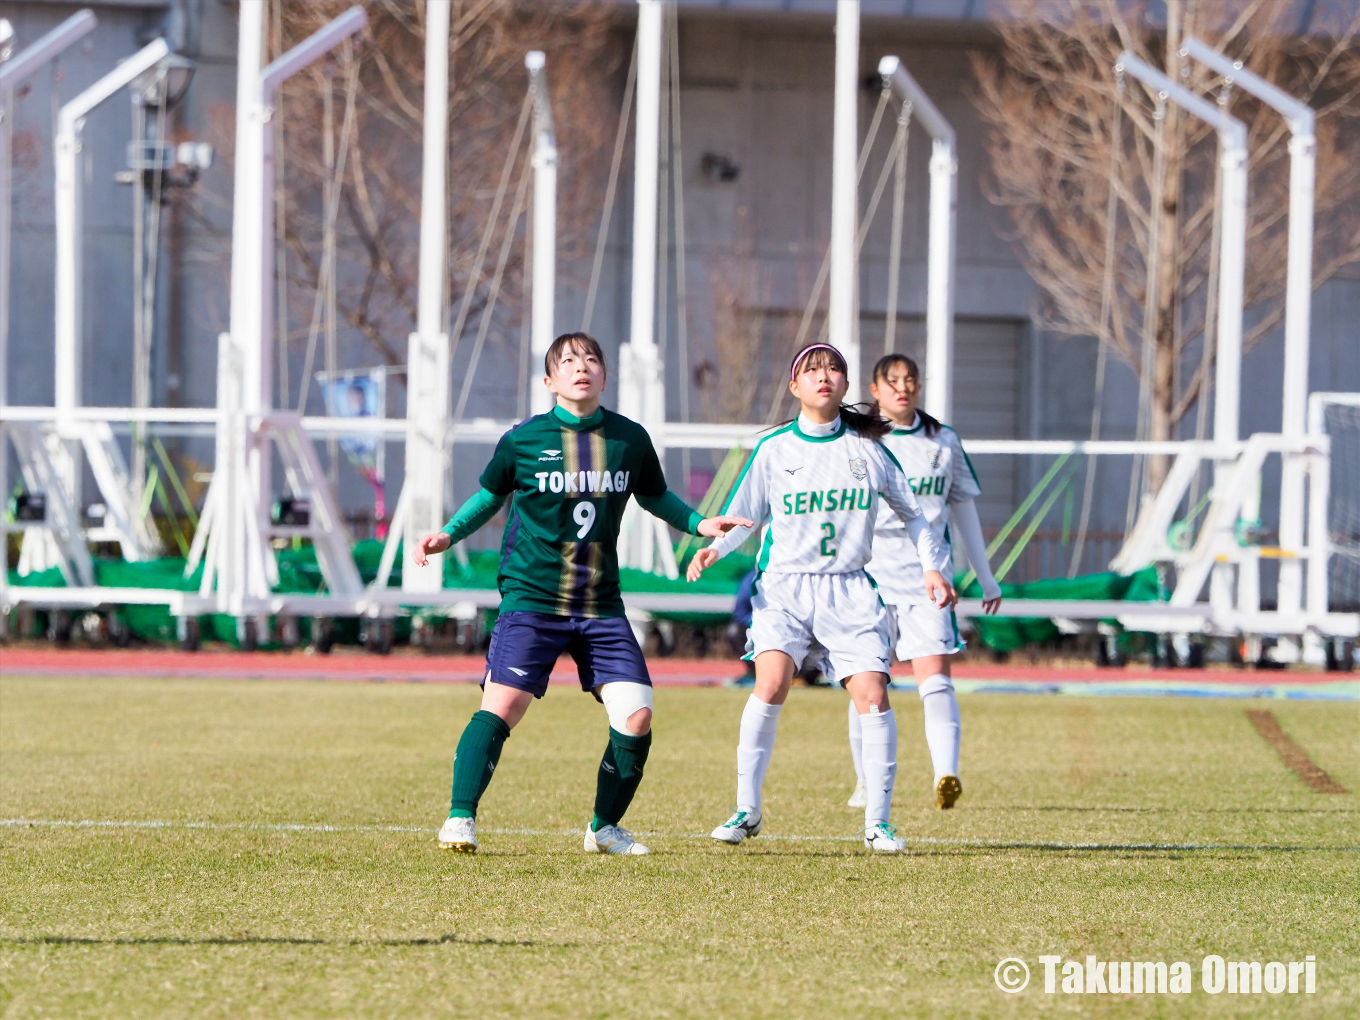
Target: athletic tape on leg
622, 699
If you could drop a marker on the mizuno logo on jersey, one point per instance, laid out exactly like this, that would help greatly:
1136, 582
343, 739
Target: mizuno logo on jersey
927, 486
583, 482
830, 499
794, 471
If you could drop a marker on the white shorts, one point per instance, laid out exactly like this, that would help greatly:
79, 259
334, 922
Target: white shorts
919, 629
793, 613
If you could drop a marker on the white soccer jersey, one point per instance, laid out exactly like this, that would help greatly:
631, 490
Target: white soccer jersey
939, 473
818, 497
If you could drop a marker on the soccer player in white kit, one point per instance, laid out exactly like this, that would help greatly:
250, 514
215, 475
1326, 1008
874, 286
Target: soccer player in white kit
816, 485
940, 474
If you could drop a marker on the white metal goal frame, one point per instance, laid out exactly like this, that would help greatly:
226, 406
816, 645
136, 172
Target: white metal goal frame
245, 423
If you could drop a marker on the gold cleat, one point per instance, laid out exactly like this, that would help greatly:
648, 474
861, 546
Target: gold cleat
459, 835
947, 791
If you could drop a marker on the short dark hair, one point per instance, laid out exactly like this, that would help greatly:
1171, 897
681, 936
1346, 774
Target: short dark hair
581, 343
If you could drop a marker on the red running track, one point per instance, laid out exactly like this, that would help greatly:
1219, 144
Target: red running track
407, 667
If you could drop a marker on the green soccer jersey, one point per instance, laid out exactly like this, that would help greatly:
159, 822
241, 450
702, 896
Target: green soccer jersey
570, 479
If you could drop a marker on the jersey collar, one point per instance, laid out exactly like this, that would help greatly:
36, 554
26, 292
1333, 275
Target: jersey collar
916, 424
815, 433
571, 421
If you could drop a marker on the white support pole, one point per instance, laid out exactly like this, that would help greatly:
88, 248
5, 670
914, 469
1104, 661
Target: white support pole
69, 324
13, 71
940, 259
1232, 135
1298, 297
228, 555
1232, 138
637, 387
47, 47
1231, 280
225, 566
257, 333
642, 390
844, 306
1297, 357
542, 328
245, 387
427, 378
70, 121
434, 161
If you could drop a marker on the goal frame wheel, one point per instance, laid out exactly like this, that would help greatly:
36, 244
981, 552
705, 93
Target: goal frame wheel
190, 634
379, 635
323, 635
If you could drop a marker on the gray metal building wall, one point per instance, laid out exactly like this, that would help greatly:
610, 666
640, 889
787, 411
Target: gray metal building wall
756, 88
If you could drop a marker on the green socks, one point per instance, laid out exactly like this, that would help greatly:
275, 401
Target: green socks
479, 749
620, 774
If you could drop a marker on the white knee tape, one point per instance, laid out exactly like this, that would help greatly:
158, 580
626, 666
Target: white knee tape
621, 699
934, 684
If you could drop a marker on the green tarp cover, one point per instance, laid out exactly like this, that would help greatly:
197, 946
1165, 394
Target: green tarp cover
299, 572
1005, 634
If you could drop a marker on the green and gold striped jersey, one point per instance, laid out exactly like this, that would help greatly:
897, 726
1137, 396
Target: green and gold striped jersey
570, 479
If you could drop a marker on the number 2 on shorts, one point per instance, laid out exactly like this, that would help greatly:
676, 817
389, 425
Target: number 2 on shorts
829, 530
583, 513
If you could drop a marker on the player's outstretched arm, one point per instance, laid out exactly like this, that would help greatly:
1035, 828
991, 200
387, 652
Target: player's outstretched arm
479, 509
968, 527
428, 546
682, 517
701, 561
716, 527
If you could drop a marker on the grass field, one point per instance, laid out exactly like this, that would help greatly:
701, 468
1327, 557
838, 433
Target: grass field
227, 911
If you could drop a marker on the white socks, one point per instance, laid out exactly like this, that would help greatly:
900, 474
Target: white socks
942, 724
879, 755
754, 747
856, 743
942, 730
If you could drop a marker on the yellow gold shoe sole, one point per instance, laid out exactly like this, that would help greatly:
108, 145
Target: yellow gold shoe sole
459, 848
947, 791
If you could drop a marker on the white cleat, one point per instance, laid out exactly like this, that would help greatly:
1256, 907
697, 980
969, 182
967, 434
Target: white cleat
741, 826
882, 838
859, 798
613, 839
459, 835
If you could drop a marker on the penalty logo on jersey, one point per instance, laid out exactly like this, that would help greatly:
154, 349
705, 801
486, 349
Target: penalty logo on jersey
859, 467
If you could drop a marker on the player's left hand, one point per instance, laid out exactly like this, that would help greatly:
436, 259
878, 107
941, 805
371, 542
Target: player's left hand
990, 606
716, 527
940, 591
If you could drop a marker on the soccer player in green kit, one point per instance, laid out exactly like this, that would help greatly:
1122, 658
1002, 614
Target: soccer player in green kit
570, 472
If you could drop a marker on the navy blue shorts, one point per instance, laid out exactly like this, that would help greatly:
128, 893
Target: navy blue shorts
525, 646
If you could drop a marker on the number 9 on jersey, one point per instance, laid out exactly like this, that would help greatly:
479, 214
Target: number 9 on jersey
583, 513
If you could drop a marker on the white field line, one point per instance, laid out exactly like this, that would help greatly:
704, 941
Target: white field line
998, 844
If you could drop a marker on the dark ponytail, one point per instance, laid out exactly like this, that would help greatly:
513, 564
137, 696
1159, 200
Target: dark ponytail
865, 420
930, 425
862, 419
